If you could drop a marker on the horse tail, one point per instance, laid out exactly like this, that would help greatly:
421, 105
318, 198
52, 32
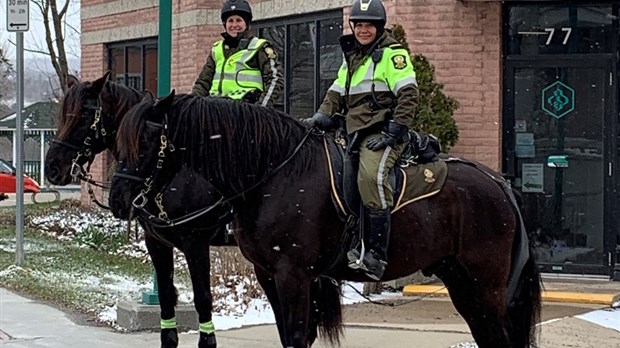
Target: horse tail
326, 308
524, 307
524, 286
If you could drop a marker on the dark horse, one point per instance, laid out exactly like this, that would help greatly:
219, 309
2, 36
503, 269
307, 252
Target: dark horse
90, 116
276, 175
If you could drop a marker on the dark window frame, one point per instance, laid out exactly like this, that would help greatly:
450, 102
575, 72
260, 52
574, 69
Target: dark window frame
287, 22
142, 44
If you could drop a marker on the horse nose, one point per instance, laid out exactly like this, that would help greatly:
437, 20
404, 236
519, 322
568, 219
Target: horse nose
52, 173
117, 203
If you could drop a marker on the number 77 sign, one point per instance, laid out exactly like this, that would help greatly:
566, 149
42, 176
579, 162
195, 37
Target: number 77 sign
18, 15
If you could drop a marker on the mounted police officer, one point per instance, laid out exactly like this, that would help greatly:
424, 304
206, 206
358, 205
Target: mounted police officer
377, 91
240, 66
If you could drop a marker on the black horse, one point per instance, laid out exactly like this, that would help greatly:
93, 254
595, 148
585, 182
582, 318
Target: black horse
275, 173
90, 115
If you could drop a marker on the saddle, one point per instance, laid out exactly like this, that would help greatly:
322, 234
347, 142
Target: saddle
418, 174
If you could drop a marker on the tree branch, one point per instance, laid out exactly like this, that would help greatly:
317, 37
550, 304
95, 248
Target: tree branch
31, 50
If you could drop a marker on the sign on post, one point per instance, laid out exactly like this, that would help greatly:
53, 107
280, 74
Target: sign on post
18, 15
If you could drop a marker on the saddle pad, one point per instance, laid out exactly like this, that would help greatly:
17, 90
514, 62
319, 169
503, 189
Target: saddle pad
422, 181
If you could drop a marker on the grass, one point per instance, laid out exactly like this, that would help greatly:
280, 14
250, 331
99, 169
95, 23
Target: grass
84, 260
70, 273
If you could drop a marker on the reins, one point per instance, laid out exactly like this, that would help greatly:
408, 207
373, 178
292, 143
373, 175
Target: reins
161, 220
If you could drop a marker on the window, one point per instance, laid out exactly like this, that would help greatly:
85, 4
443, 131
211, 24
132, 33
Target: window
560, 29
310, 56
134, 64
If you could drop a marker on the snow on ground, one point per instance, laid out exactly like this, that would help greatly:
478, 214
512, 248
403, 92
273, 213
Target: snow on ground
235, 310
608, 317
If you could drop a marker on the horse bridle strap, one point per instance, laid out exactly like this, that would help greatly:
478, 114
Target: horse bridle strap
191, 216
97, 127
129, 177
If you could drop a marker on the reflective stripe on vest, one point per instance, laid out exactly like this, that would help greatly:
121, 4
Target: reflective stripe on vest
386, 79
233, 76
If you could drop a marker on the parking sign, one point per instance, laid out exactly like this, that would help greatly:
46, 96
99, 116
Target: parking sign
18, 15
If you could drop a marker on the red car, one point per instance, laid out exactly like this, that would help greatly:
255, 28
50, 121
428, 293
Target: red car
7, 180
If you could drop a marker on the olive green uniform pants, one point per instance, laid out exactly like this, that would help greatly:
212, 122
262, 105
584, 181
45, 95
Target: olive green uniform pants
372, 177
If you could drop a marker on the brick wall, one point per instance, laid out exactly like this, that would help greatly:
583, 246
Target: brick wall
93, 65
189, 54
463, 41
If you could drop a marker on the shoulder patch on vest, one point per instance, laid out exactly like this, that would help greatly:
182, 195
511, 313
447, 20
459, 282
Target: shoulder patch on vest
399, 61
271, 54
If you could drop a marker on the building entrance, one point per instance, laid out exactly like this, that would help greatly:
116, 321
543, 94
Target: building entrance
560, 120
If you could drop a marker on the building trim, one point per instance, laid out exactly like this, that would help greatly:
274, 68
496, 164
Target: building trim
262, 10
115, 7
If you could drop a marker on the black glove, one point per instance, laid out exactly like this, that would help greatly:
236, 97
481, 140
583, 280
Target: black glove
321, 121
393, 136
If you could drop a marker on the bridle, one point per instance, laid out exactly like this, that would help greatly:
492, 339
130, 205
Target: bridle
97, 130
161, 220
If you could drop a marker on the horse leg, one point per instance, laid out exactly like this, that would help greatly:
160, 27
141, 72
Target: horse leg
293, 288
162, 259
481, 301
196, 252
269, 287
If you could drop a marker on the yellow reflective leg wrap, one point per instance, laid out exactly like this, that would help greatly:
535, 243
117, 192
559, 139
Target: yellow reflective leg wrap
168, 323
207, 327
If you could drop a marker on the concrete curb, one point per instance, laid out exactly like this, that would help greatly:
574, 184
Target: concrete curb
607, 299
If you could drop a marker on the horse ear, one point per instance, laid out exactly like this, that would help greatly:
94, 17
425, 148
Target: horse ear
148, 95
98, 83
72, 81
166, 102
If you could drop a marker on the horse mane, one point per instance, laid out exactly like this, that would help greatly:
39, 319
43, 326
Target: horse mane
121, 97
238, 143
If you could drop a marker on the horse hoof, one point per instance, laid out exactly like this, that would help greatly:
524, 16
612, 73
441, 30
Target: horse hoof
207, 341
169, 338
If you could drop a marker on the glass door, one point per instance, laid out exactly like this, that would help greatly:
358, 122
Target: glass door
557, 131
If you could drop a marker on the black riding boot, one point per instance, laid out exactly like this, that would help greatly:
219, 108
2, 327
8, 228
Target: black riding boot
374, 261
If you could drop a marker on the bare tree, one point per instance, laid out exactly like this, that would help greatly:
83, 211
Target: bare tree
7, 81
54, 14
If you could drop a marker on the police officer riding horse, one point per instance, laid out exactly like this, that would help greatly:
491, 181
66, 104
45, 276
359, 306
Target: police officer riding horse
240, 66
376, 90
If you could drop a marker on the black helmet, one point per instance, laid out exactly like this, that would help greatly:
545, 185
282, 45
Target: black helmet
237, 7
368, 11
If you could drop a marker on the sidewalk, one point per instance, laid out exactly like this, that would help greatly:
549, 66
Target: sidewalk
27, 324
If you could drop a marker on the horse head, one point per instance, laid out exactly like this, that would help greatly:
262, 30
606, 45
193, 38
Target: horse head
145, 156
88, 122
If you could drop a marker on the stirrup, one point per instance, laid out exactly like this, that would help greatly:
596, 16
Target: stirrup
356, 258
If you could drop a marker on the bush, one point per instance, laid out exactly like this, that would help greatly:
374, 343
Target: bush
99, 239
435, 111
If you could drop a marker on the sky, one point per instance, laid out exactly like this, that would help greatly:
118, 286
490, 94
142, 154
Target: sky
35, 37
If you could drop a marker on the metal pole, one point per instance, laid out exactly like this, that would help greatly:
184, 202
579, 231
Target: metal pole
164, 48
42, 159
164, 60
19, 154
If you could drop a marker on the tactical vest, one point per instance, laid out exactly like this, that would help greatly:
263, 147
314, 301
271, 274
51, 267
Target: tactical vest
233, 76
374, 69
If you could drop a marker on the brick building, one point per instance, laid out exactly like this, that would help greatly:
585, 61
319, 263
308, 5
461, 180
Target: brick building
536, 83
